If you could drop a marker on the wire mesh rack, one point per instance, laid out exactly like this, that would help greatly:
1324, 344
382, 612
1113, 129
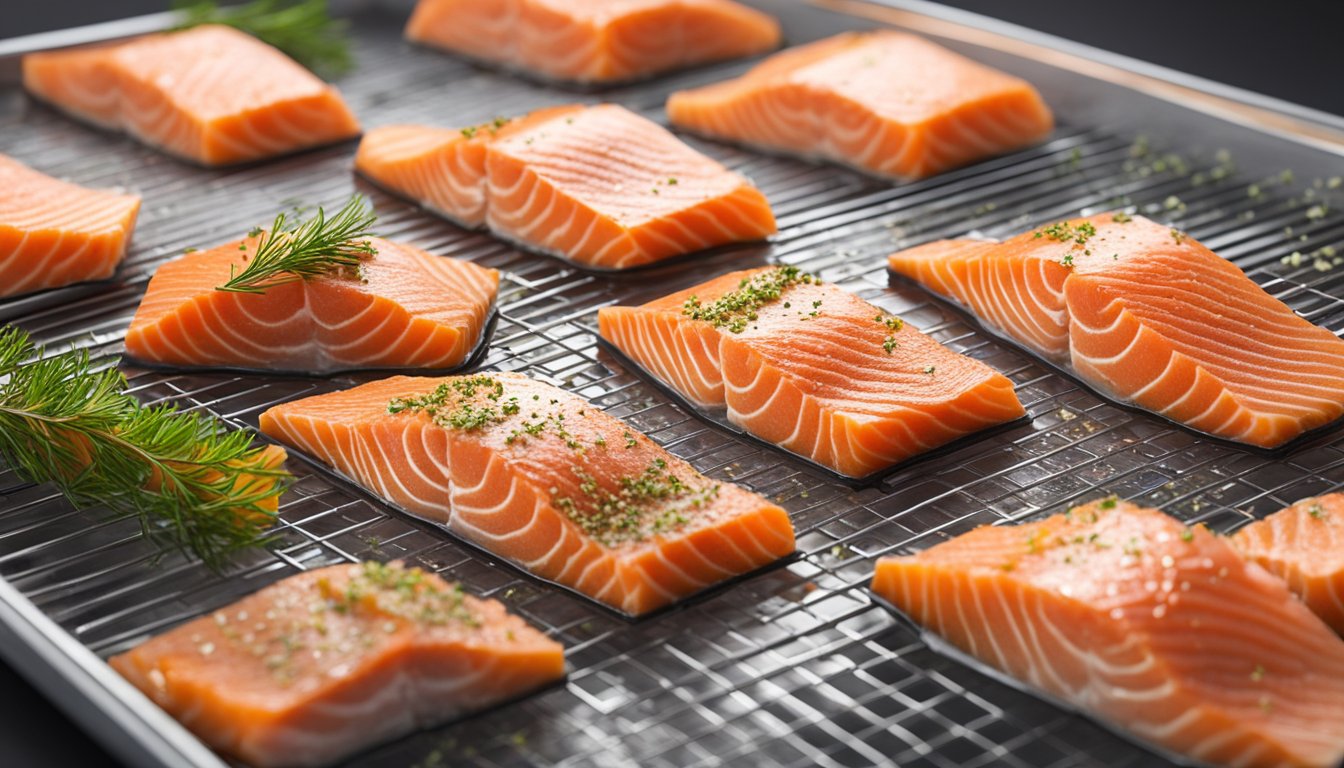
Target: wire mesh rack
794, 666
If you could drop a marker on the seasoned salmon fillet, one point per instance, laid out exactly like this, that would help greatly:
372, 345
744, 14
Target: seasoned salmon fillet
1304, 545
402, 308
593, 41
330, 661
53, 233
812, 368
600, 185
883, 102
1148, 316
1161, 630
212, 94
543, 479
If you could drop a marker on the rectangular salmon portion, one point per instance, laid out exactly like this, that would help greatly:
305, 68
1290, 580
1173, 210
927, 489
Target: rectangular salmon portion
402, 308
1159, 629
53, 233
600, 186
324, 663
812, 368
542, 479
211, 95
594, 41
883, 102
1149, 316
1304, 545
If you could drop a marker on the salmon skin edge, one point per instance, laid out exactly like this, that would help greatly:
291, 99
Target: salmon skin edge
477, 354
1278, 451
694, 597
718, 418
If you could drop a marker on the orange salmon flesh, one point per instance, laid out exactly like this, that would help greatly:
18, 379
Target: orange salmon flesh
53, 233
1304, 545
884, 102
1161, 630
402, 308
593, 41
543, 479
600, 186
1148, 316
817, 371
324, 663
211, 94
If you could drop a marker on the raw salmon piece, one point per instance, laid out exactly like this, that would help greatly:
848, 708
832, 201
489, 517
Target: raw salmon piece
594, 41
211, 94
883, 102
328, 662
541, 478
600, 185
812, 368
53, 233
1304, 545
1149, 316
439, 168
404, 309
1161, 630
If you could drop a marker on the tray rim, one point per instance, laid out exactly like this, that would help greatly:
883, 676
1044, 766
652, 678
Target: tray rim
123, 720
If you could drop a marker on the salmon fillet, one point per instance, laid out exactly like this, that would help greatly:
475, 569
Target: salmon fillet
54, 234
404, 309
600, 186
543, 479
593, 41
811, 368
212, 94
1304, 545
1161, 630
883, 102
1148, 316
327, 662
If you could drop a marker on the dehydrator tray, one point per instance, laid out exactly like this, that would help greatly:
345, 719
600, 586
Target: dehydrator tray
794, 666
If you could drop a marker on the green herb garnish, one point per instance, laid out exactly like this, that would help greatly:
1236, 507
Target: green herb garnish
304, 29
194, 486
636, 506
735, 309
306, 250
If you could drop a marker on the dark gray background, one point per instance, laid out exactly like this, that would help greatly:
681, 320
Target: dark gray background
1288, 50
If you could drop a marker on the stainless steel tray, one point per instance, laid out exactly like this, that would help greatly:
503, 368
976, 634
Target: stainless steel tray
794, 666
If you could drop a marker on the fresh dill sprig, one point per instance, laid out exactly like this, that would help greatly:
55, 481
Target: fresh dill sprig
308, 249
194, 486
303, 29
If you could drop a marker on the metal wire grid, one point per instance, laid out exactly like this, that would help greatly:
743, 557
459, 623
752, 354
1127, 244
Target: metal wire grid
797, 665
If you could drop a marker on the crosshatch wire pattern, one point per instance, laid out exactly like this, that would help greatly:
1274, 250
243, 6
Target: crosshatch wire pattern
795, 666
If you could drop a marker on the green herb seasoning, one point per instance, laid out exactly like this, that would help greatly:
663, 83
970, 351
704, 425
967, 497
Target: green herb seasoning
1316, 511
454, 404
894, 325
736, 309
319, 246
404, 592
634, 507
1122, 218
